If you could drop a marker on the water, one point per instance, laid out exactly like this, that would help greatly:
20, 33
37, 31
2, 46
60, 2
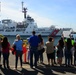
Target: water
12, 38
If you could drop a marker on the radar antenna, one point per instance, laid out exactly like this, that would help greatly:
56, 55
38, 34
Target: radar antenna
24, 10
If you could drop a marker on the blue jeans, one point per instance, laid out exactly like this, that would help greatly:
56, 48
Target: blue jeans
33, 51
67, 57
40, 56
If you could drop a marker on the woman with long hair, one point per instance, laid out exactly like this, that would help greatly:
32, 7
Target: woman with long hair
5, 51
41, 48
60, 47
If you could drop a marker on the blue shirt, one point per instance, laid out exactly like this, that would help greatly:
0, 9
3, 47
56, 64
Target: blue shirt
18, 44
34, 41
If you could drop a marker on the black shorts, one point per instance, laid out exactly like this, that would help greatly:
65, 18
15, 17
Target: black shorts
50, 56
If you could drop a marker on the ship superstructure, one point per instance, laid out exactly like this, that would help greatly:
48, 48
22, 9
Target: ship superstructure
25, 28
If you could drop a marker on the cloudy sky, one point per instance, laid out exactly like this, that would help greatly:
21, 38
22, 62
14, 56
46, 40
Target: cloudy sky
61, 13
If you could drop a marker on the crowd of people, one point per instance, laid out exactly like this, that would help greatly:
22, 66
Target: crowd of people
64, 48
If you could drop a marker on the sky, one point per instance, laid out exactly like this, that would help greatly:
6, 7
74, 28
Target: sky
61, 13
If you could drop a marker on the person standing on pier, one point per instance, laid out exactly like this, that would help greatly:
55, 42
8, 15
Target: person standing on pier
60, 47
74, 53
68, 52
5, 52
18, 43
41, 49
33, 42
50, 50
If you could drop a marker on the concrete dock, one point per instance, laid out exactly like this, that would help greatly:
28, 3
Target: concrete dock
42, 69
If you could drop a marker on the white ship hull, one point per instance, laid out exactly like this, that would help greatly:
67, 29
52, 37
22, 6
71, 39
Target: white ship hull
30, 33
25, 28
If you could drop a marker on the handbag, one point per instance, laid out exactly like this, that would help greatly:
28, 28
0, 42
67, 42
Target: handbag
14, 49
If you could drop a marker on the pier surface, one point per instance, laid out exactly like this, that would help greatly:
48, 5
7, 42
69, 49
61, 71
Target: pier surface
42, 69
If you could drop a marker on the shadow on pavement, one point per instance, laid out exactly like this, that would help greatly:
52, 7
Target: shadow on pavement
40, 70
34, 71
62, 69
44, 71
9, 72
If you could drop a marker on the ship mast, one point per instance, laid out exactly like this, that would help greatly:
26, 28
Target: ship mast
24, 10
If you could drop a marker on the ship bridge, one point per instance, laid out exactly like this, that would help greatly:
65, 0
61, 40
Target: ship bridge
8, 22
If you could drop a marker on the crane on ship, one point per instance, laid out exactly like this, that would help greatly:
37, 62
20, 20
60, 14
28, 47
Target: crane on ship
24, 10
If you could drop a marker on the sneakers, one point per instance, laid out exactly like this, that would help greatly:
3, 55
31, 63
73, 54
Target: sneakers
15, 68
